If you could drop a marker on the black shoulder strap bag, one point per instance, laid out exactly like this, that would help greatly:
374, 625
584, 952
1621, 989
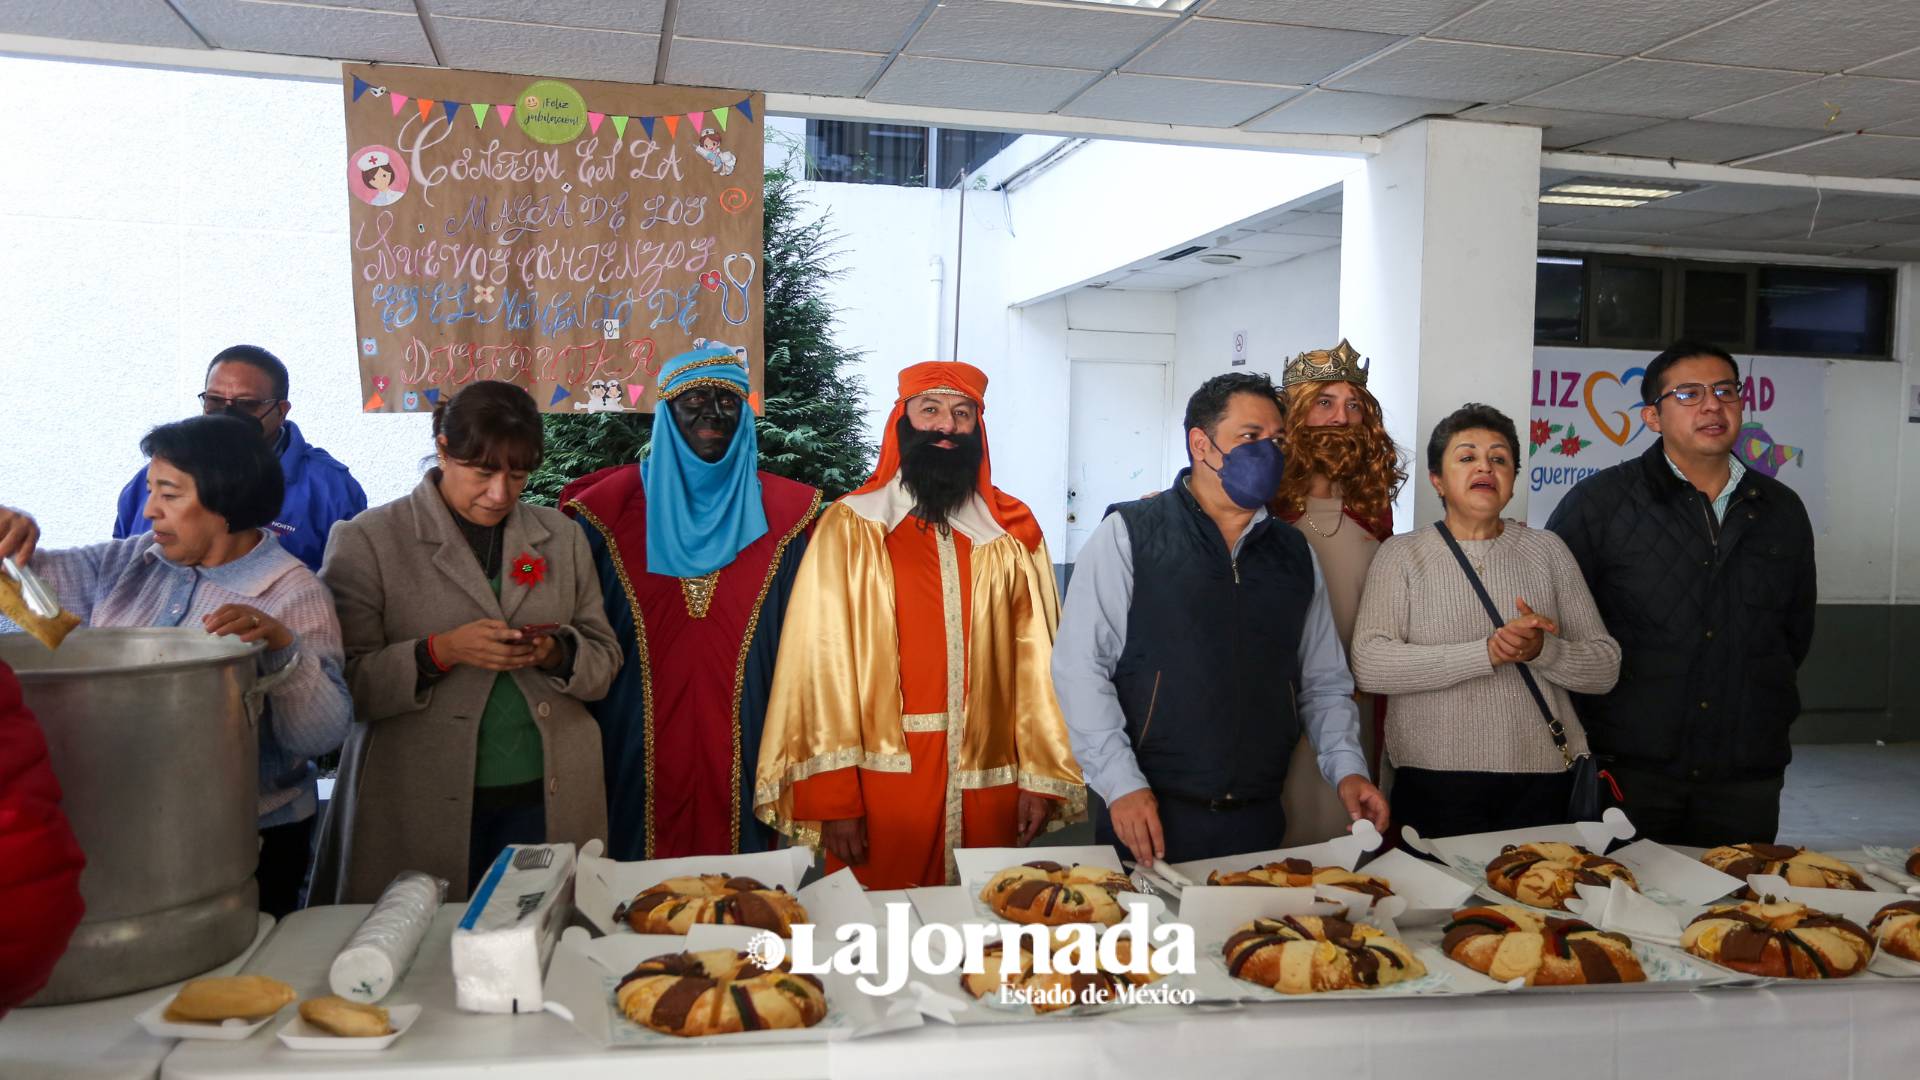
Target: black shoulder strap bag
1583, 802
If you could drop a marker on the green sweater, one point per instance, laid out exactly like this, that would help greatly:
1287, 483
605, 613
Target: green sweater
509, 750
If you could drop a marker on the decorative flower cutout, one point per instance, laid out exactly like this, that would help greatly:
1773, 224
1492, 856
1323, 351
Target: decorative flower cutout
529, 570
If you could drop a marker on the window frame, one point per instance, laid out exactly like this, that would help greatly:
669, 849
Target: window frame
1673, 308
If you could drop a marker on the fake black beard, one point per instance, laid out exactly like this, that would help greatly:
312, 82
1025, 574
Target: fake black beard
940, 480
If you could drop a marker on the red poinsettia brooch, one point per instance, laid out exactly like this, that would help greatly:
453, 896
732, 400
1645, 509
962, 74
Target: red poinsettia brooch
529, 570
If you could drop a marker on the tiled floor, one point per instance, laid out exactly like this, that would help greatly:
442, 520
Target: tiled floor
1843, 795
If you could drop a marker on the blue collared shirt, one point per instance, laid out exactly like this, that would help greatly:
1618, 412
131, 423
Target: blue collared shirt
1736, 472
1093, 629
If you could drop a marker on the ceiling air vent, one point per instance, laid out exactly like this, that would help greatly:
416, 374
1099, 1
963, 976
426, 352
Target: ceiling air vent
1183, 253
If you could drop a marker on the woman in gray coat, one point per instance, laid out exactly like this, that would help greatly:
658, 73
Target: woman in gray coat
474, 634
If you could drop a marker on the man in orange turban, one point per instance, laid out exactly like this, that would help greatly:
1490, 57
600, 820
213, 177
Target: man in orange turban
912, 709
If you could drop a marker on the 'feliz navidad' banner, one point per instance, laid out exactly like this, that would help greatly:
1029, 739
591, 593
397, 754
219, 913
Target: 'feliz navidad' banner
565, 236
1586, 416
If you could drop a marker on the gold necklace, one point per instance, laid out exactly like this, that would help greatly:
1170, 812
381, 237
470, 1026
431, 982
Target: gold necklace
1339, 519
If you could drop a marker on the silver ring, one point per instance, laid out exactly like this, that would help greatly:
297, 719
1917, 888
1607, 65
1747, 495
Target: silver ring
256, 620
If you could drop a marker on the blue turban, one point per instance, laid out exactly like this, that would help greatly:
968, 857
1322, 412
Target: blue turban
700, 514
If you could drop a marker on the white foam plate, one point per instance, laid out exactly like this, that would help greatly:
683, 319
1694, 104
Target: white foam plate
233, 1030
297, 1034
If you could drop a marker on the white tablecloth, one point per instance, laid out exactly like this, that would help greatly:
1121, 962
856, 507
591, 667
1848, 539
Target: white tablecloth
95, 1040
1869, 1030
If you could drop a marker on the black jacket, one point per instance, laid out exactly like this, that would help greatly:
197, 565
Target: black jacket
1713, 619
1212, 654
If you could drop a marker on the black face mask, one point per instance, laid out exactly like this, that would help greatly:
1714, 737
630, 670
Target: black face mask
940, 479
705, 407
259, 427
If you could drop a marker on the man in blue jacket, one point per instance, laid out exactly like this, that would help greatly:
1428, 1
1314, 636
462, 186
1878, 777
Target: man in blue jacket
249, 382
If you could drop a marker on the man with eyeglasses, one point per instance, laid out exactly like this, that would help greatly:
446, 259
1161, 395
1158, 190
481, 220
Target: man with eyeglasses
1704, 573
248, 382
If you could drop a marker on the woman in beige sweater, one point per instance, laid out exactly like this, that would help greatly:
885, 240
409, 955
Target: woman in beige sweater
1471, 750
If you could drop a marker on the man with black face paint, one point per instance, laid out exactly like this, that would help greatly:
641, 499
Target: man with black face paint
250, 383
911, 713
697, 551
1183, 609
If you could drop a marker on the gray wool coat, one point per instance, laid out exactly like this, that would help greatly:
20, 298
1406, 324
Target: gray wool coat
404, 798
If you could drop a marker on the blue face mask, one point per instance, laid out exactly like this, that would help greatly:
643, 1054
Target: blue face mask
1251, 473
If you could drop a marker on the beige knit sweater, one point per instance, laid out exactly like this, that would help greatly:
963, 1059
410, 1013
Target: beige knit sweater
1421, 639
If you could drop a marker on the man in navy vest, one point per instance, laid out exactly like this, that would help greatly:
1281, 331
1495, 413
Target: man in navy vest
249, 382
1195, 644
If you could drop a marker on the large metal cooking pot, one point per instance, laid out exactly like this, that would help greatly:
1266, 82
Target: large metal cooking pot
152, 734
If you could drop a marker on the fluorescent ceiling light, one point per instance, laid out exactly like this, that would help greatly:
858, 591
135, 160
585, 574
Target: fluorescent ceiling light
1622, 191
1589, 200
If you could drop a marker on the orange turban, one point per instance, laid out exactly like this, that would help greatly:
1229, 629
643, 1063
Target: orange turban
952, 377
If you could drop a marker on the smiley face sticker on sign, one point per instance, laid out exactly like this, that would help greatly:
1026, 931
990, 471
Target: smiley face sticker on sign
551, 112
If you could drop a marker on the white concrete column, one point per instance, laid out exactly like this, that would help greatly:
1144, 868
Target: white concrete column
1436, 282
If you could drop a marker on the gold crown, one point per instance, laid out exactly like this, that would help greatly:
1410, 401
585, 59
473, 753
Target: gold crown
1338, 364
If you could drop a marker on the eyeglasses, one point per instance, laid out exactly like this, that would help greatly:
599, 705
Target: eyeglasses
1693, 393
211, 403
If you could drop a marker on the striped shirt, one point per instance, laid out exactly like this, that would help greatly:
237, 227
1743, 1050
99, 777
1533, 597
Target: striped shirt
129, 583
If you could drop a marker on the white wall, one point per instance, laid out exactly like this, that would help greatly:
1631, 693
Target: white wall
176, 213
1285, 309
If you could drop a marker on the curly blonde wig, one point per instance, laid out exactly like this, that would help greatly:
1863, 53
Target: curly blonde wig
1362, 459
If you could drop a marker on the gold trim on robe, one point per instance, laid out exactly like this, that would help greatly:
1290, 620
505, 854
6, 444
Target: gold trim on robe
836, 687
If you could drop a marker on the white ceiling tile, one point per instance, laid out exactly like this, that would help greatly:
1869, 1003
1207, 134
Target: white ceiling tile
1143, 282
1579, 234
1333, 203
692, 62
1332, 112
1662, 88
1620, 27
1282, 243
1379, 16
1464, 72
1561, 128
642, 16
1696, 140
1043, 35
1859, 102
1325, 225
859, 25
567, 52
1155, 99
1905, 65
1552, 214
1850, 206
1740, 199
965, 84
1776, 226
1874, 233
1891, 253
126, 22
1647, 219
1858, 155
1256, 52
1807, 35
1904, 127
304, 30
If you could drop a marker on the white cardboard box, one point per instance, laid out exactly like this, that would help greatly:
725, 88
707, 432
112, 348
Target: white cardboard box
604, 884
587, 970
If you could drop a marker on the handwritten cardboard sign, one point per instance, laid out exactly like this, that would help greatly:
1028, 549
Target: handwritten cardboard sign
564, 235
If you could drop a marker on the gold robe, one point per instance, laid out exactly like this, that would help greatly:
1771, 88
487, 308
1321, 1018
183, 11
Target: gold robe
836, 699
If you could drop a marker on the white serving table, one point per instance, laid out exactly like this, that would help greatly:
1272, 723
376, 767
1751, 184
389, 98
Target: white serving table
96, 1040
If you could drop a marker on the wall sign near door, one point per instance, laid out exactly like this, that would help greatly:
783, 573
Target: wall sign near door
1239, 348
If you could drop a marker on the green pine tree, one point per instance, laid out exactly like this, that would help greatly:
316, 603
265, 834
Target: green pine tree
812, 425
